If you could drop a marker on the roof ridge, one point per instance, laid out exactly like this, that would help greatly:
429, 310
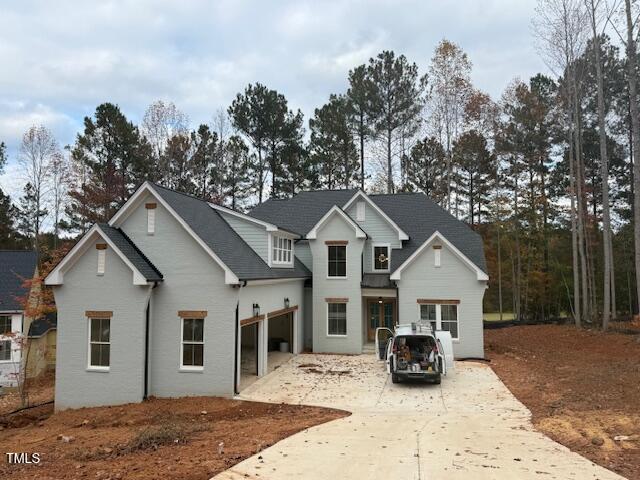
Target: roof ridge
178, 192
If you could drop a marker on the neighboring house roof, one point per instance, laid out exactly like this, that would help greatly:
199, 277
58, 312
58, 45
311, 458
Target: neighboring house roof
421, 217
302, 212
132, 252
15, 267
416, 214
211, 228
41, 326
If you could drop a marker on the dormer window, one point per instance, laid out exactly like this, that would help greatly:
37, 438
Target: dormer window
282, 252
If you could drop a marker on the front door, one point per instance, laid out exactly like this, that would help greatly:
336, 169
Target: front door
380, 313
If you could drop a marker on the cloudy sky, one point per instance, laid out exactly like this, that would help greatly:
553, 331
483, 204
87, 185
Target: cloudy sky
59, 59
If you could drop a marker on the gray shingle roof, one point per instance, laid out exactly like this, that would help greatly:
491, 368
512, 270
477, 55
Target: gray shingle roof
414, 213
216, 233
420, 217
15, 267
42, 325
301, 213
132, 252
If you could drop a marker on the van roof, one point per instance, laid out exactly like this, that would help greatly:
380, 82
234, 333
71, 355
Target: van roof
420, 329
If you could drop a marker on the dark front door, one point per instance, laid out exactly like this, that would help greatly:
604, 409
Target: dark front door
380, 313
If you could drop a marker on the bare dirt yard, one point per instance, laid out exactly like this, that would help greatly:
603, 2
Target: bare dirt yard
582, 387
187, 438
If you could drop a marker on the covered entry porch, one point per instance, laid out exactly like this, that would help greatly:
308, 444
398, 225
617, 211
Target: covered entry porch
379, 307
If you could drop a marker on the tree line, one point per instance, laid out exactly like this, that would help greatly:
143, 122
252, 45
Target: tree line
546, 173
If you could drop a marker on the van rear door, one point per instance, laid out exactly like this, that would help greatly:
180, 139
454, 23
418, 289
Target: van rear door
382, 339
445, 345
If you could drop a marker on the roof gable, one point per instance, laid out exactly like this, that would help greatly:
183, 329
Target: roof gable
336, 211
397, 273
360, 195
15, 267
142, 269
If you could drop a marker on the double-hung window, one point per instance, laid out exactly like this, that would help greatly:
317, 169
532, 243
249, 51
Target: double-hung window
5, 350
99, 343
5, 324
337, 319
192, 345
441, 317
282, 252
337, 255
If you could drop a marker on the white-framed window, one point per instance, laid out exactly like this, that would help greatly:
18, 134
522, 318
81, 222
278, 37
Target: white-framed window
99, 343
337, 261
5, 324
192, 344
5, 350
381, 257
282, 250
441, 317
337, 319
360, 212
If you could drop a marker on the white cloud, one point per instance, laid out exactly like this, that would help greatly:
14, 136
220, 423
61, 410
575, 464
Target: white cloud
61, 59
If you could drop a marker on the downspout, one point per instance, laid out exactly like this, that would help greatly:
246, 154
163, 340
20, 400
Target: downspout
237, 340
146, 344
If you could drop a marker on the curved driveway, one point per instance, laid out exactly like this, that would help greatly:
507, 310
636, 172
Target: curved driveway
469, 427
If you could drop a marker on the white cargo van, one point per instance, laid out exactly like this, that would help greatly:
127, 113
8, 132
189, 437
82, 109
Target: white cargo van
415, 351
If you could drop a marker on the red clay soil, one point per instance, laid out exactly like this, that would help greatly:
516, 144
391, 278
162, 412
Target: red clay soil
582, 387
188, 438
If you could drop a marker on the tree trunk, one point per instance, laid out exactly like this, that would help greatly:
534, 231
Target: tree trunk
389, 169
574, 229
635, 126
362, 151
499, 273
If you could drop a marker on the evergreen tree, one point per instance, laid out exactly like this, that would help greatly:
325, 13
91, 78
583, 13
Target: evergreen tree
29, 216
113, 158
236, 181
359, 104
332, 145
396, 102
426, 168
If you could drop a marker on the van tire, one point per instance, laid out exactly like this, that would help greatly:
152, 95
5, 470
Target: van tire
438, 380
395, 378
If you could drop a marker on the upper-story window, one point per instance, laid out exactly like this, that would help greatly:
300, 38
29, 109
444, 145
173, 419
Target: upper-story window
337, 261
381, 258
282, 252
5, 324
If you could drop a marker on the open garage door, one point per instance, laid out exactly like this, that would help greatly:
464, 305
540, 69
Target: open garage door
280, 340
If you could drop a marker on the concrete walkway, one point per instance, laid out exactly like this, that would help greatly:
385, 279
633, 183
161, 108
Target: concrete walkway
469, 427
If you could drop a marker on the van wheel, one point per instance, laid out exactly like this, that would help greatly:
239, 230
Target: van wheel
437, 380
395, 378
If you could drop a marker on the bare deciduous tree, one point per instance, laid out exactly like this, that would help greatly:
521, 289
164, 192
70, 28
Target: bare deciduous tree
37, 153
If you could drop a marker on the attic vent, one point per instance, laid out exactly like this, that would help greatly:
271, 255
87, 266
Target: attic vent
151, 218
360, 212
102, 252
436, 254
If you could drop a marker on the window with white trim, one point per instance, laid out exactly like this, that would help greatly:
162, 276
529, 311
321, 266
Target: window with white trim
337, 261
5, 324
449, 319
192, 344
99, 343
5, 350
381, 258
441, 317
282, 251
337, 319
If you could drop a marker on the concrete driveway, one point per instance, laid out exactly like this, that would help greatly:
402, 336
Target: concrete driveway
469, 427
